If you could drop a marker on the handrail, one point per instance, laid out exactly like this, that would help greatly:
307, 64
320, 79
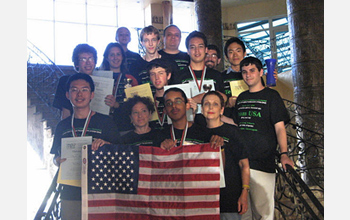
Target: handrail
55, 190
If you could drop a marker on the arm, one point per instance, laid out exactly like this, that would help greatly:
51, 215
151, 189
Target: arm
243, 199
282, 142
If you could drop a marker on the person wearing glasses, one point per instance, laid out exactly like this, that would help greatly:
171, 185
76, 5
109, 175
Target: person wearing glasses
181, 131
213, 56
84, 59
83, 122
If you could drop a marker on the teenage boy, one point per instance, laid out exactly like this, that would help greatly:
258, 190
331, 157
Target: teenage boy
182, 132
83, 122
171, 40
261, 116
150, 39
84, 59
196, 44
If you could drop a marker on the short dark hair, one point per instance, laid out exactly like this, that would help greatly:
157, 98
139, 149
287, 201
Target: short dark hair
174, 89
216, 48
170, 25
83, 76
82, 48
231, 41
222, 101
251, 60
131, 102
159, 63
194, 34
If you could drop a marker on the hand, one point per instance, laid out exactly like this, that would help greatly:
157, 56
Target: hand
243, 202
167, 144
110, 100
231, 101
193, 104
275, 75
286, 160
216, 141
58, 160
98, 143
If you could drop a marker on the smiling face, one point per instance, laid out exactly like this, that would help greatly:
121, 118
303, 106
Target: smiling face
235, 54
252, 76
197, 50
80, 94
87, 63
115, 58
140, 115
211, 108
123, 36
175, 106
150, 43
172, 38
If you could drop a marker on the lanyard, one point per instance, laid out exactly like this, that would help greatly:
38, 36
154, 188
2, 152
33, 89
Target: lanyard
160, 117
184, 134
87, 121
195, 78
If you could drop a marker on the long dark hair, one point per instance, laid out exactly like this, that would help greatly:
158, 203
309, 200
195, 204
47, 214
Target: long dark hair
105, 64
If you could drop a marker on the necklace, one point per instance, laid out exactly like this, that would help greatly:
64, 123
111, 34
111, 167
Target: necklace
87, 121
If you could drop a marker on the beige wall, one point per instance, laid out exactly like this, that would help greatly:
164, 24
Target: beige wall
253, 11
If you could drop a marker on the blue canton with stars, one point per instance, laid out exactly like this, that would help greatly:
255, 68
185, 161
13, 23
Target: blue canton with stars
113, 168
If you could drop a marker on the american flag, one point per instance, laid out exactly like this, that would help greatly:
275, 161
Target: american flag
130, 182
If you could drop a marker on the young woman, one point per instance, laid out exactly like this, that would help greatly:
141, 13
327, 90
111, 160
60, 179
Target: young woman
234, 197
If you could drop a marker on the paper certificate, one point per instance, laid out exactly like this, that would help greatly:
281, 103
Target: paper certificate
187, 90
103, 73
143, 90
103, 87
207, 85
70, 170
237, 87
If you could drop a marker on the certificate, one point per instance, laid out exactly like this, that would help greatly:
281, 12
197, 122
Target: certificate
237, 87
143, 90
103, 87
187, 90
70, 170
207, 85
103, 73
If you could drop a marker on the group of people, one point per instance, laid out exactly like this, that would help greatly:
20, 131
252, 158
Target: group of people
247, 128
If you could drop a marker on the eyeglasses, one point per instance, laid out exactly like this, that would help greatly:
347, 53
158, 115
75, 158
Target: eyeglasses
82, 90
84, 59
177, 101
211, 55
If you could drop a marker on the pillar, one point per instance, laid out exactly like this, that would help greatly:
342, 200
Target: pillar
306, 28
210, 23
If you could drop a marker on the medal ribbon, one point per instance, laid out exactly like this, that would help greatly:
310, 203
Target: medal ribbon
184, 134
160, 117
87, 121
195, 78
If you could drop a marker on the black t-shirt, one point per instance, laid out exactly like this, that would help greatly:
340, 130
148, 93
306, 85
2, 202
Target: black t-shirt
196, 134
185, 76
256, 114
133, 138
100, 126
234, 152
162, 117
182, 59
134, 61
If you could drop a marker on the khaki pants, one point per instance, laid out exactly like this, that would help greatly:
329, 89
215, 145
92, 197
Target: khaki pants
71, 209
261, 201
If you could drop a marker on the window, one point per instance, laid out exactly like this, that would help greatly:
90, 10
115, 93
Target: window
266, 39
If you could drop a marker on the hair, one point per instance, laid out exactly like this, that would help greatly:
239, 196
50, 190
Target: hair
131, 102
116, 33
222, 101
105, 63
231, 41
159, 63
149, 30
194, 34
83, 76
170, 25
82, 48
174, 89
216, 48
251, 60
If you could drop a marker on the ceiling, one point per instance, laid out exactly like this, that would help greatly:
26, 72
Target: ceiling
224, 3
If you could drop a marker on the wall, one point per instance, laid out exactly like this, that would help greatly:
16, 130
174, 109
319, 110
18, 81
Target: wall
253, 11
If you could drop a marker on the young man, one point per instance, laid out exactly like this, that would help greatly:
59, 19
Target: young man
84, 59
83, 122
261, 116
213, 57
182, 132
196, 44
171, 40
150, 39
